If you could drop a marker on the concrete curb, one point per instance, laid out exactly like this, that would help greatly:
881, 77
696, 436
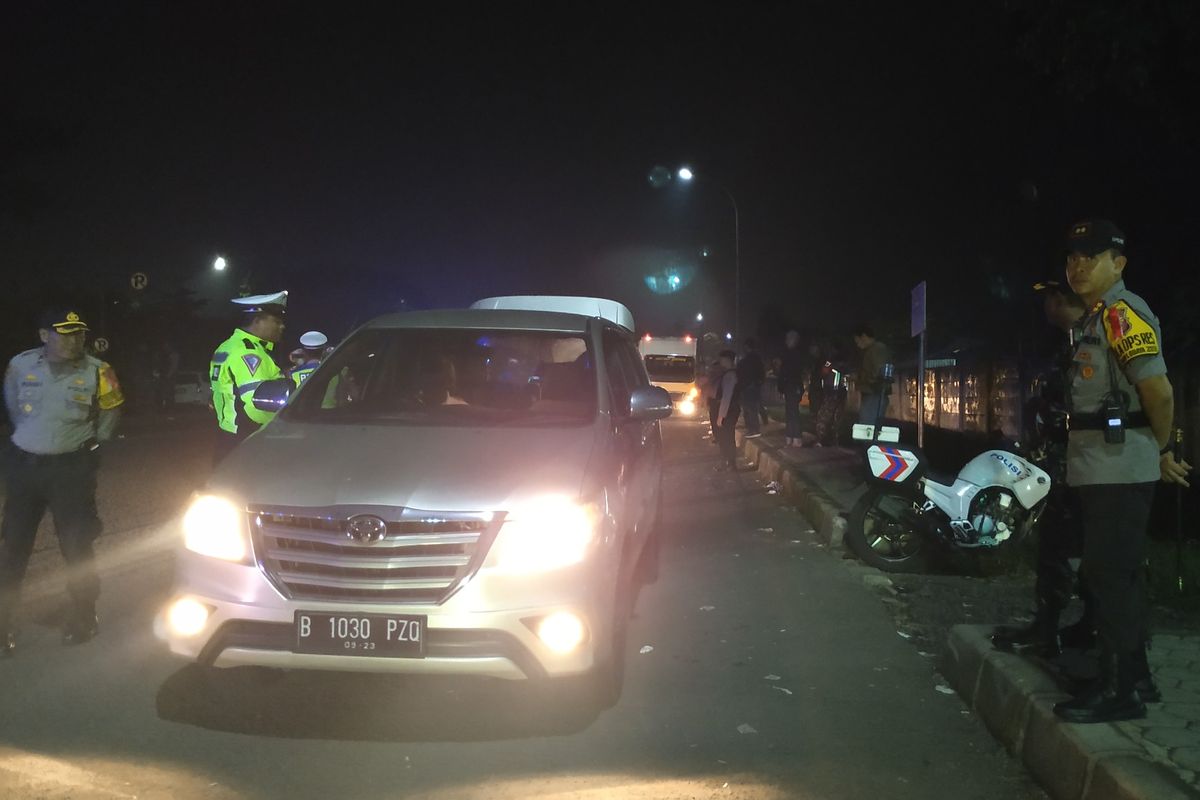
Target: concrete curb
814, 503
1015, 699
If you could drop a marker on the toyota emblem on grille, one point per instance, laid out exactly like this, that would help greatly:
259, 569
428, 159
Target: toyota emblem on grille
366, 529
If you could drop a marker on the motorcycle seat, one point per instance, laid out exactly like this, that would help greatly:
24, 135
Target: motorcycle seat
940, 476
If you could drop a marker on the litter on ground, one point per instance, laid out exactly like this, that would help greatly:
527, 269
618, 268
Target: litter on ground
744, 728
646, 649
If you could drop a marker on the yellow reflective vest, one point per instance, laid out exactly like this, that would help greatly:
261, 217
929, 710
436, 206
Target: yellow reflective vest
238, 366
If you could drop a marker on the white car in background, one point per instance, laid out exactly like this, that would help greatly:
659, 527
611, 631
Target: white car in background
192, 389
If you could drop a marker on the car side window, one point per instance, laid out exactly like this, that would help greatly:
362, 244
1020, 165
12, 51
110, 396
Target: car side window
619, 380
634, 366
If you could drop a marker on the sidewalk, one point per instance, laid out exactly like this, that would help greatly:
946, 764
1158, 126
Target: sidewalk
1157, 758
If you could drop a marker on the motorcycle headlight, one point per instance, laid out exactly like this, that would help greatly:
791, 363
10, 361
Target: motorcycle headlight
213, 526
546, 535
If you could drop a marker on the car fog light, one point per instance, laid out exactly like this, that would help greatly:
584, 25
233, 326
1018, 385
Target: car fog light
561, 632
187, 617
687, 408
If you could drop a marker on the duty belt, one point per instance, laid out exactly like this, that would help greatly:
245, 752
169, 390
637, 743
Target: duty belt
1099, 422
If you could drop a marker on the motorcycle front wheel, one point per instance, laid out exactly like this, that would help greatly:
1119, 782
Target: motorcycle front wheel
879, 534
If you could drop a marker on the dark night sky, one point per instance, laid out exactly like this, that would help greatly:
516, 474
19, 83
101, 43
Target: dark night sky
358, 159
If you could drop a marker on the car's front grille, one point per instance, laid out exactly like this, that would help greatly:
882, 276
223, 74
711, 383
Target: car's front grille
312, 554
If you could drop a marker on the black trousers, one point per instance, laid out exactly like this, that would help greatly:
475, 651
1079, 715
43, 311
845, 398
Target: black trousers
223, 444
66, 484
727, 439
1115, 518
1060, 538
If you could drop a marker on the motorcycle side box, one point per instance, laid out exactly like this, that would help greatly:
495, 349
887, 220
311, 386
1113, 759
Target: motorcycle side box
894, 464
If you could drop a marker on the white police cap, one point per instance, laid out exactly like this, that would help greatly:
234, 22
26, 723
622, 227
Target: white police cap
314, 340
276, 302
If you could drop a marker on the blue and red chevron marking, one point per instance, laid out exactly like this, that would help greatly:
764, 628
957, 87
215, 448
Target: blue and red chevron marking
896, 464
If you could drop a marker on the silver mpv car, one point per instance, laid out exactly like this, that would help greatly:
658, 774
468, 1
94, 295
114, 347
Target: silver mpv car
464, 492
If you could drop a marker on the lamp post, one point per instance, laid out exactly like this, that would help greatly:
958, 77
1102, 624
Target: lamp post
686, 175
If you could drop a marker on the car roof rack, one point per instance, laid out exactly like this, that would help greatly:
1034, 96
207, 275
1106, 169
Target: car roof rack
610, 310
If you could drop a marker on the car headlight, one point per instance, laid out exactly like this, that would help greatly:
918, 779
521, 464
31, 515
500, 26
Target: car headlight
693, 393
548, 534
213, 526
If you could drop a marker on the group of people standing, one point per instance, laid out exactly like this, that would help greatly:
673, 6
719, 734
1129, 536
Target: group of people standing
734, 387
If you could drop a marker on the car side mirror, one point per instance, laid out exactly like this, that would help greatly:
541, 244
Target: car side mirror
270, 396
648, 403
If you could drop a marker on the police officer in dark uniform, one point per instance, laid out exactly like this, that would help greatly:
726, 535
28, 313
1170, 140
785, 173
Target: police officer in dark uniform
1121, 410
1059, 535
62, 403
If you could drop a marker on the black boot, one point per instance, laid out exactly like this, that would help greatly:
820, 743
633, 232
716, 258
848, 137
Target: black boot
1111, 698
82, 626
1147, 689
1039, 638
1082, 634
1079, 636
8, 636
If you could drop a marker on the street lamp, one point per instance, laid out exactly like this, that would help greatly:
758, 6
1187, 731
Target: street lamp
699, 318
219, 263
686, 175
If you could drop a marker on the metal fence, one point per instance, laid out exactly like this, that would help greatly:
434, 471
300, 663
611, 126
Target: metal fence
981, 398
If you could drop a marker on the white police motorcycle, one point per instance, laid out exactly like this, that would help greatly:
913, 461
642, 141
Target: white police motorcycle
994, 501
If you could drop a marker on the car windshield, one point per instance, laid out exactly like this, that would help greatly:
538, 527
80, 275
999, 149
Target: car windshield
671, 369
452, 377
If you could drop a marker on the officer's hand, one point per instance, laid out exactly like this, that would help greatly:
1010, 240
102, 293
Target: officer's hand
720, 421
1174, 471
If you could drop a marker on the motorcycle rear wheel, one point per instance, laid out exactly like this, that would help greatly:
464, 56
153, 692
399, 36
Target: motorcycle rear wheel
878, 534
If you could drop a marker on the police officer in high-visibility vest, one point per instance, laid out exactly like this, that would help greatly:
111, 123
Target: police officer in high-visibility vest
1121, 411
240, 364
312, 346
63, 403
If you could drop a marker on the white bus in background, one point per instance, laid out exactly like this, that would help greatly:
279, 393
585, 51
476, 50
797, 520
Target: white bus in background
671, 364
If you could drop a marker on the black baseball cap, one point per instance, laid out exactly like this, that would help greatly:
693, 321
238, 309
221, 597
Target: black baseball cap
1093, 236
62, 320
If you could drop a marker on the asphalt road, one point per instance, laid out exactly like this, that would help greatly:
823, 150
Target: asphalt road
774, 673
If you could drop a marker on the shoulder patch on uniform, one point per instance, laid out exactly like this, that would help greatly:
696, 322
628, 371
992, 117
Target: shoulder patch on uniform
1128, 334
108, 393
252, 361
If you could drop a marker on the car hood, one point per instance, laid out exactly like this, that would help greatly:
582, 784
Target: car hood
436, 469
